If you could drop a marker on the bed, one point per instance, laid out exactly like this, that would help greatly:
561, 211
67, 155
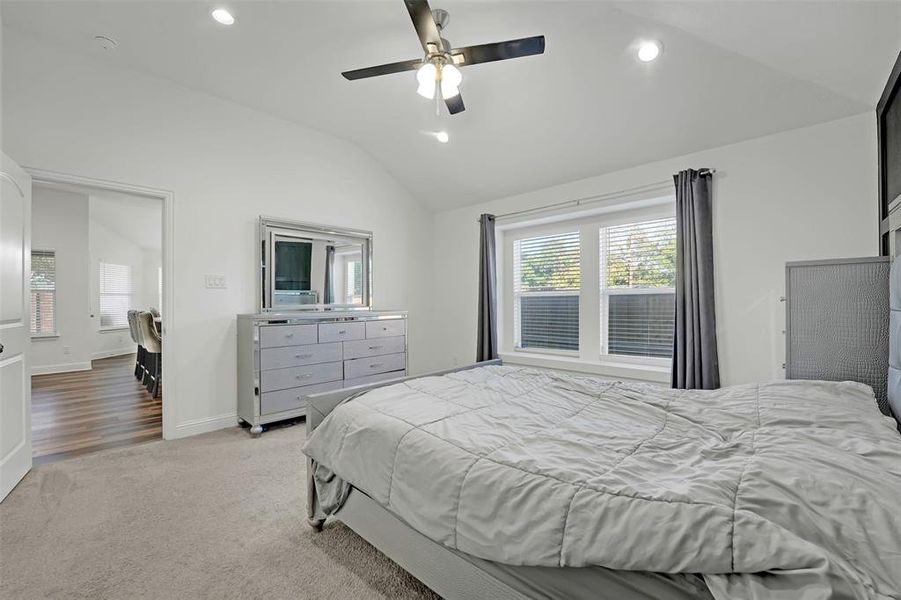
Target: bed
496, 481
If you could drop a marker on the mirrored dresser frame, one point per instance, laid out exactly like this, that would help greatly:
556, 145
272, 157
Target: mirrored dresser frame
272, 231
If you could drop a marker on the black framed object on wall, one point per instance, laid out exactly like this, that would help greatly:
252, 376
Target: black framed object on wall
888, 126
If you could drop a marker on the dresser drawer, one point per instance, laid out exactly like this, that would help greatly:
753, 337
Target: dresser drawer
293, 398
281, 379
295, 356
375, 347
338, 332
273, 336
386, 328
374, 378
361, 367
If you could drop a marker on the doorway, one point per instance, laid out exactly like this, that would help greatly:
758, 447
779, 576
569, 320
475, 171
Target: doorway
96, 283
157, 293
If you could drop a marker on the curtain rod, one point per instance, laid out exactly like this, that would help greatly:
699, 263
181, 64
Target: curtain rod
597, 197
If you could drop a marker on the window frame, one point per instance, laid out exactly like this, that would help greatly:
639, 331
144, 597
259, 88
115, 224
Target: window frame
516, 338
592, 311
55, 332
100, 293
605, 291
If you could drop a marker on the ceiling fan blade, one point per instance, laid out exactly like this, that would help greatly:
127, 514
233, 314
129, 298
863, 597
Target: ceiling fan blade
424, 23
397, 67
473, 55
455, 104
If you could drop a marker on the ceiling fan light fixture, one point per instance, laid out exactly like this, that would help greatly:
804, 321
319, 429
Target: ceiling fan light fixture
451, 78
426, 75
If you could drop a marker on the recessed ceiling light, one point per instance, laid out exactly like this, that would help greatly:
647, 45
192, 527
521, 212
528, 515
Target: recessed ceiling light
222, 16
648, 51
442, 137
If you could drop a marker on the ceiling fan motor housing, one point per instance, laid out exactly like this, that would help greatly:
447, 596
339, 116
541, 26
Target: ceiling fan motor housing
441, 17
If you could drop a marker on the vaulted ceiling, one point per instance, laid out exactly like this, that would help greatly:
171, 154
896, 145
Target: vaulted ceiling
730, 71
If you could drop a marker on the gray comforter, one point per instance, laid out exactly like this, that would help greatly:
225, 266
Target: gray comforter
766, 489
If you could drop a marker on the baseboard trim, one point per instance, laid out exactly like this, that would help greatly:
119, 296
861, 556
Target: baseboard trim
63, 368
116, 352
197, 426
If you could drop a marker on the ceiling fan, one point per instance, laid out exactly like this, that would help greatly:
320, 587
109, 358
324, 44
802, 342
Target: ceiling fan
437, 72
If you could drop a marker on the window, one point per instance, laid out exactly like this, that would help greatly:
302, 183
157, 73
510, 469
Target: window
115, 295
638, 276
354, 285
159, 279
43, 293
598, 290
546, 283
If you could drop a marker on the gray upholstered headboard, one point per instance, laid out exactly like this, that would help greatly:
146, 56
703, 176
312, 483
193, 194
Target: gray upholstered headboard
837, 322
894, 351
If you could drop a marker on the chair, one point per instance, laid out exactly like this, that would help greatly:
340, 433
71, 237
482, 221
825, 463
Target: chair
136, 338
156, 316
153, 346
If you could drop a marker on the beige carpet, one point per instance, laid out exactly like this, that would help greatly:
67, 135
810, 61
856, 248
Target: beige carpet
215, 516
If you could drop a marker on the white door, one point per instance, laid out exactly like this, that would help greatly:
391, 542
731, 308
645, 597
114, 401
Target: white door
15, 324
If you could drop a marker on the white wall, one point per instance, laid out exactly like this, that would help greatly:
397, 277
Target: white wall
114, 248
226, 165
150, 295
60, 223
797, 195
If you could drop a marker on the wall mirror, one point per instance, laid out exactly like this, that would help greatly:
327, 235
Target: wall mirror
313, 267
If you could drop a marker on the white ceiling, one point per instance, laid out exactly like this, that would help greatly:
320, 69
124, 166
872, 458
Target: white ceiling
730, 71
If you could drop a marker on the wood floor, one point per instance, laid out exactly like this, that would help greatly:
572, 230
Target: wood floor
86, 411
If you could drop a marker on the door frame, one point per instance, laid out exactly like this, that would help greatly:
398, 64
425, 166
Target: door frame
168, 263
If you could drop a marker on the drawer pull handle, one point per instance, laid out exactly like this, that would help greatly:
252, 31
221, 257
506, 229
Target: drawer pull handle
384, 329
289, 335
375, 365
342, 332
304, 355
376, 347
305, 376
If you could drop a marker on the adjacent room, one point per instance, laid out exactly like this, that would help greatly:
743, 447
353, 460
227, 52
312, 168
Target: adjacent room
96, 259
560, 300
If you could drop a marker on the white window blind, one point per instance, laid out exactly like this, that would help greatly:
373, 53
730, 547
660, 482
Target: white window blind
116, 291
43, 292
546, 284
159, 276
638, 274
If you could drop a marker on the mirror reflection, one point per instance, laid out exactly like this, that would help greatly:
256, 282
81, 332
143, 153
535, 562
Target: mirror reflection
313, 266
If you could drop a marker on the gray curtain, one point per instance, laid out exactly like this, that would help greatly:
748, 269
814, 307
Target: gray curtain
329, 295
695, 360
487, 344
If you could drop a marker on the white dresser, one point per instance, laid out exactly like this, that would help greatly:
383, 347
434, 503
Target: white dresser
284, 357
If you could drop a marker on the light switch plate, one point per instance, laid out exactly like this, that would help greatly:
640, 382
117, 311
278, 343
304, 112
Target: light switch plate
215, 282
